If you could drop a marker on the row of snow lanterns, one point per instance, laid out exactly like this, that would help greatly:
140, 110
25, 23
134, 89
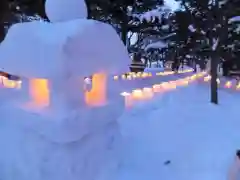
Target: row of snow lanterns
40, 93
142, 75
7, 83
148, 93
227, 84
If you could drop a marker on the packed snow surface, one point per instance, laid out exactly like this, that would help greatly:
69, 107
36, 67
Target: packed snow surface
196, 138
175, 136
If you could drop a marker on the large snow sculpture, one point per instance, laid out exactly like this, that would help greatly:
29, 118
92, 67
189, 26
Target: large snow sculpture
65, 138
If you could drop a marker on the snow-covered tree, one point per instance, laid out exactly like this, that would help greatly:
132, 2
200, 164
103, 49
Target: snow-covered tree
13, 11
126, 16
211, 27
131, 16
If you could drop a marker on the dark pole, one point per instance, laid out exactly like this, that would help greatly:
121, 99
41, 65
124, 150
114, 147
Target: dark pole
213, 61
213, 73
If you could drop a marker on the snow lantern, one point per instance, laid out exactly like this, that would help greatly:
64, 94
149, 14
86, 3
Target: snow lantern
62, 50
55, 58
65, 10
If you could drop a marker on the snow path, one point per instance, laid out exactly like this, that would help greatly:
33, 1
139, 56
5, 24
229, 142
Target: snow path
198, 138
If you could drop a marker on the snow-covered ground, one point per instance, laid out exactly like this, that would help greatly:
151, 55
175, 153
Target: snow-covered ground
177, 135
198, 138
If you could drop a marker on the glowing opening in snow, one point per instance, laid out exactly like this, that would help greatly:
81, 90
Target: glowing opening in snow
157, 88
7, 83
137, 94
97, 95
39, 92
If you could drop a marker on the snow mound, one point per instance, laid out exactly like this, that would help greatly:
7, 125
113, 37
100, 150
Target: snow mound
37, 157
